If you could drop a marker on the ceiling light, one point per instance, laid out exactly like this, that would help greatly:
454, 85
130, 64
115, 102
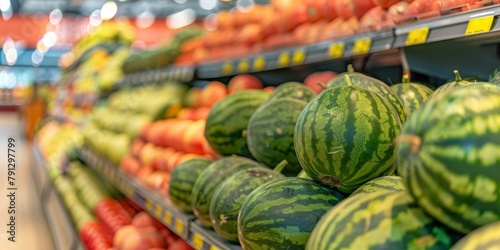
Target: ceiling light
181, 19
108, 10
55, 16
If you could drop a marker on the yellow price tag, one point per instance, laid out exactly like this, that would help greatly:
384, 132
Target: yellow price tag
362, 46
243, 66
179, 226
197, 241
479, 25
336, 50
417, 36
167, 218
149, 204
158, 210
227, 68
213, 248
284, 59
259, 64
299, 57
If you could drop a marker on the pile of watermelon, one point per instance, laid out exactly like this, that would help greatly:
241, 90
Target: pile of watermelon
361, 165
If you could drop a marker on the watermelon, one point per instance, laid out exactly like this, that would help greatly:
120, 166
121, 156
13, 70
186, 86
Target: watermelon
413, 95
228, 198
384, 183
270, 133
211, 178
380, 220
486, 237
448, 156
495, 79
282, 213
458, 82
302, 174
483, 85
182, 181
227, 122
294, 90
379, 87
344, 137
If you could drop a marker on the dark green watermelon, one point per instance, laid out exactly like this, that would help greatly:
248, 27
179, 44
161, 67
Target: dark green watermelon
380, 220
370, 83
229, 197
227, 122
282, 213
384, 183
448, 156
344, 137
210, 179
182, 181
294, 90
413, 95
270, 133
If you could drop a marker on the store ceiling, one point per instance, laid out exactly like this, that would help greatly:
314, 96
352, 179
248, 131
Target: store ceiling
130, 8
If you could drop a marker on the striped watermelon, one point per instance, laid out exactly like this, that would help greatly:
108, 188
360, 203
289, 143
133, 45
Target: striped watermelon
210, 179
483, 85
450, 85
282, 213
486, 237
344, 137
380, 220
270, 133
384, 183
294, 90
182, 181
379, 87
227, 122
413, 95
448, 156
228, 198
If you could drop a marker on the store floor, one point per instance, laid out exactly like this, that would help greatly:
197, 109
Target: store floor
32, 231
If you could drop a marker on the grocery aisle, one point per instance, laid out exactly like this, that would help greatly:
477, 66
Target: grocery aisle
32, 231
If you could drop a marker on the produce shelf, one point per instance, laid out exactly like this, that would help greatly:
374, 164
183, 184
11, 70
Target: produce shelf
448, 27
182, 224
359, 44
62, 229
184, 73
204, 239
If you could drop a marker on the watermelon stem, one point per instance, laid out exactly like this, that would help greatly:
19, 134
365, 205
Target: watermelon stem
280, 166
350, 68
406, 78
415, 142
458, 78
348, 80
322, 85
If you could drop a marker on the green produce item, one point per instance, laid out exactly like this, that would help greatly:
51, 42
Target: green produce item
282, 213
182, 181
210, 179
380, 220
413, 95
384, 183
458, 82
344, 137
485, 237
302, 174
370, 83
448, 157
270, 133
227, 122
293, 90
229, 197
